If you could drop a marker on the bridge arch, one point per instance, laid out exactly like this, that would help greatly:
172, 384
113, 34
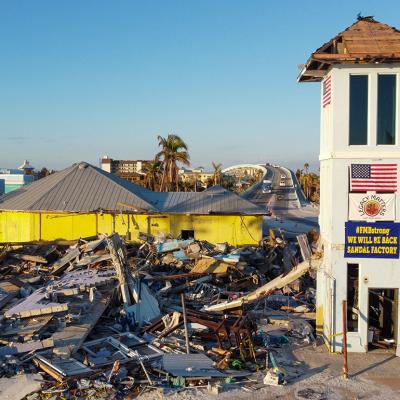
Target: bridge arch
230, 170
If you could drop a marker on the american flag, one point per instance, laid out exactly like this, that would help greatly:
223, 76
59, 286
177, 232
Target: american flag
373, 178
326, 92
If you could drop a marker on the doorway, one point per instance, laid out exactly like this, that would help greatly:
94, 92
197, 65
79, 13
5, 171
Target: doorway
187, 234
382, 319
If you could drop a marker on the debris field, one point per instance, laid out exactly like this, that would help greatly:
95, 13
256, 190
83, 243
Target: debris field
101, 318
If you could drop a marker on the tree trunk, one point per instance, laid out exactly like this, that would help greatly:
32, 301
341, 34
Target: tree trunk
164, 175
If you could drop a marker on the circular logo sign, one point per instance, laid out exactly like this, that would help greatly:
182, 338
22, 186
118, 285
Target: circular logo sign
372, 208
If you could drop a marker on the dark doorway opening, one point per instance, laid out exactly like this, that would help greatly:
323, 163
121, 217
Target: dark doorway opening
382, 318
187, 234
352, 297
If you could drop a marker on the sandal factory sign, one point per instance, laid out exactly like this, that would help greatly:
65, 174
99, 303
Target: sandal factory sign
372, 240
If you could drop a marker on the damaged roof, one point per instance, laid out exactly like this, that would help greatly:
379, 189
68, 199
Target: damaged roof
84, 188
366, 41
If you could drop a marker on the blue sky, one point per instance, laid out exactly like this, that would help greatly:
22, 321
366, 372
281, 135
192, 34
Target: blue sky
80, 79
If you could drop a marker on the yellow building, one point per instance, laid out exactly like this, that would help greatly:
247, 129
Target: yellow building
83, 200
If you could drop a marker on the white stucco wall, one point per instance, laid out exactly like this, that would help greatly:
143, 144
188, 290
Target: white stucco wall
336, 156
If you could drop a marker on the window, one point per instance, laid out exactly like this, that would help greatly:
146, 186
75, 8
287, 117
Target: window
352, 297
386, 124
358, 129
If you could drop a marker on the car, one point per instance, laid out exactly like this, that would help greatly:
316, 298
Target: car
266, 186
283, 176
282, 183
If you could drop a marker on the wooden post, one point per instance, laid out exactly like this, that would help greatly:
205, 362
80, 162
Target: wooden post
345, 364
185, 322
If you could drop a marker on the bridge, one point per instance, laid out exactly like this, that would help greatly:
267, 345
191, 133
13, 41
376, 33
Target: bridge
290, 210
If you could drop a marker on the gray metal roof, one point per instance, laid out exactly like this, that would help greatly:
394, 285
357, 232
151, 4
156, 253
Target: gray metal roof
83, 187
215, 200
167, 200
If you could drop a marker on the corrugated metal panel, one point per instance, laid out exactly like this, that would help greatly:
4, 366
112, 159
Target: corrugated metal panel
190, 365
215, 200
24, 198
81, 187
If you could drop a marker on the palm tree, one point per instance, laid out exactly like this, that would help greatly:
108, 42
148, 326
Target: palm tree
173, 151
217, 173
153, 171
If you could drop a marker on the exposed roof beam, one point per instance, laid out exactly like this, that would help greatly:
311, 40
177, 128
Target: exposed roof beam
353, 56
317, 73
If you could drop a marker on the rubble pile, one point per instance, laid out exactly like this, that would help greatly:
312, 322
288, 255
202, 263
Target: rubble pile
104, 318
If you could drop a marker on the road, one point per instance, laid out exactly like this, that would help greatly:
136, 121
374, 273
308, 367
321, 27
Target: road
291, 211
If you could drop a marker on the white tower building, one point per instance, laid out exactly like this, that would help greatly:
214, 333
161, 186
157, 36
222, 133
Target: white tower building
359, 159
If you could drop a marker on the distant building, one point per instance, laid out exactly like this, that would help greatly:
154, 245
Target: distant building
15, 178
196, 174
358, 282
130, 170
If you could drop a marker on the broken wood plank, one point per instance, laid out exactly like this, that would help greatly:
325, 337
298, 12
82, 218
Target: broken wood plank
70, 338
35, 304
28, 257
62, 264
87, 260
17, 348
91, 246
263, 291
118, 256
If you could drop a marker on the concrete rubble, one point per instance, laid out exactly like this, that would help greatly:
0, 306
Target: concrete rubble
104, 318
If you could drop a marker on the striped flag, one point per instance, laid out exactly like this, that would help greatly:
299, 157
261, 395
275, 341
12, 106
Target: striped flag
326, 92
373, 178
